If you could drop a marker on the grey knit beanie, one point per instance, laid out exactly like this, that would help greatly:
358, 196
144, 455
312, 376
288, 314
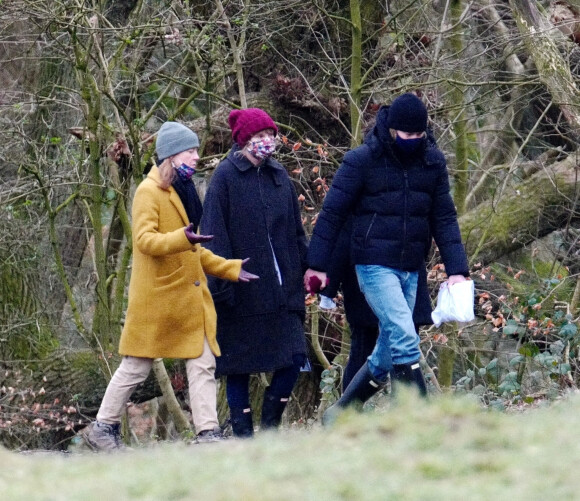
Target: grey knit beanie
173, 138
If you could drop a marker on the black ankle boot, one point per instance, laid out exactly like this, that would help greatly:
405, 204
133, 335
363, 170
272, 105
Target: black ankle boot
272, 410
362, 387
242, 425
410, 374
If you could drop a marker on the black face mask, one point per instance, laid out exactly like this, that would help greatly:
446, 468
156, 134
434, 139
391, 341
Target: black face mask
409, 146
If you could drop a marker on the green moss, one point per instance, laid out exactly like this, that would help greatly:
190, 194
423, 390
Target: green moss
539, 276
498, 227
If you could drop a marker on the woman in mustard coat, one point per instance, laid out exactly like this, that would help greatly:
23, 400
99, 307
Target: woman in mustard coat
171, 312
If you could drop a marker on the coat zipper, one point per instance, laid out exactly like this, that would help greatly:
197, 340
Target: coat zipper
405, 206
369, 228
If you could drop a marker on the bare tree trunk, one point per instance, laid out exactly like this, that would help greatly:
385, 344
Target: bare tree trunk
499, 149
181, 422
237, 49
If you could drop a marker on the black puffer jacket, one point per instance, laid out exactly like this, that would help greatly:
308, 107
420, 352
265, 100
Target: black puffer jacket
342, 275
398, 204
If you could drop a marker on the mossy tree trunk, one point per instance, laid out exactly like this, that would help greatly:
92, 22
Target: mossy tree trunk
527, 211
355, 72
460, 171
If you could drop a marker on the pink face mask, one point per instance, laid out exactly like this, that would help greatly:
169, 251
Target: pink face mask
262, 148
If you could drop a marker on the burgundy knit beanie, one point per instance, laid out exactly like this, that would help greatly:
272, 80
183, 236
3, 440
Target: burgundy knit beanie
245, 123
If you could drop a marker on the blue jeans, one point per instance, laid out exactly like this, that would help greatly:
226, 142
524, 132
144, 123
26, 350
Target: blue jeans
391, 294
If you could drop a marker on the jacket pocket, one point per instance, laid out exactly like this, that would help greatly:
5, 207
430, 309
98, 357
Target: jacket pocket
368, 232
176, 276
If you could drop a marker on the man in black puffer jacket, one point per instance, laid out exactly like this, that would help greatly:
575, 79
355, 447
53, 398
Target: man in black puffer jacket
396, 186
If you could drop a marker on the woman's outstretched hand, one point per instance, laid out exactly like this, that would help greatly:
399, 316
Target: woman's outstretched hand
193, 237
246, 276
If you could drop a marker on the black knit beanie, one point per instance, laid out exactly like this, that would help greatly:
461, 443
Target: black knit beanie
407, 113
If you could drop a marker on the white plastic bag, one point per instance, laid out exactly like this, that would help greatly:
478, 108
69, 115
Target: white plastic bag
454, 303
327, 303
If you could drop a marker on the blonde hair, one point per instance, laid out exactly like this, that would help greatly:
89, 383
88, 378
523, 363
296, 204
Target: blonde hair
166, 173
394, 133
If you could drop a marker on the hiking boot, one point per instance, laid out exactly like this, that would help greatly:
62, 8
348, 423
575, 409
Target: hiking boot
104, 437
207, 436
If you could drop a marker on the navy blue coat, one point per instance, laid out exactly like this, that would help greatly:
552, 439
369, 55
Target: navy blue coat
253, 212
397, 207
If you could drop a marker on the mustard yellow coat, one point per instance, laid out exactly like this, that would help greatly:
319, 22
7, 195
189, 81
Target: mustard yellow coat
170, 307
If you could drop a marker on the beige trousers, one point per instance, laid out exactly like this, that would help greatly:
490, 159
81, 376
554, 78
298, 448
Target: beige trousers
133, 370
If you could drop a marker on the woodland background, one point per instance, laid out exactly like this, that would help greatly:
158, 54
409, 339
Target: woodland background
84, 86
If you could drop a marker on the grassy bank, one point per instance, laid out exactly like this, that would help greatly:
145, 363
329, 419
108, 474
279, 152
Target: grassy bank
448, 449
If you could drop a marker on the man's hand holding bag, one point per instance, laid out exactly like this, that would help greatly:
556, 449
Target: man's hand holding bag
454, 303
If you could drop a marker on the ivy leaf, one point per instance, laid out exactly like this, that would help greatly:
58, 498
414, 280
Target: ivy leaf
568, 331
558, 315
509, 384
492, 365
563, 368
516, 360
545, 360
511, 328
529, 350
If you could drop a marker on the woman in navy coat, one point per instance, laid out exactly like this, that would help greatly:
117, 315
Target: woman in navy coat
252, 210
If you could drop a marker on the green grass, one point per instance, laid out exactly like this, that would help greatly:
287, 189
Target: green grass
446, 449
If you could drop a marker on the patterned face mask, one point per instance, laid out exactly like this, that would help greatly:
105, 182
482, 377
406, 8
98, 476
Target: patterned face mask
263, 148
185, 171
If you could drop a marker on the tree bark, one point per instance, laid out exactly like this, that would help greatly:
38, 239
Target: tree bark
542, 41
181, 423
355, 72
522, 214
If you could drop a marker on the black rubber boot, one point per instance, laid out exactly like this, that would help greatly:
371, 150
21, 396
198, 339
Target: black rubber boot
362, 387
272, 410
242, 425
410, 374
